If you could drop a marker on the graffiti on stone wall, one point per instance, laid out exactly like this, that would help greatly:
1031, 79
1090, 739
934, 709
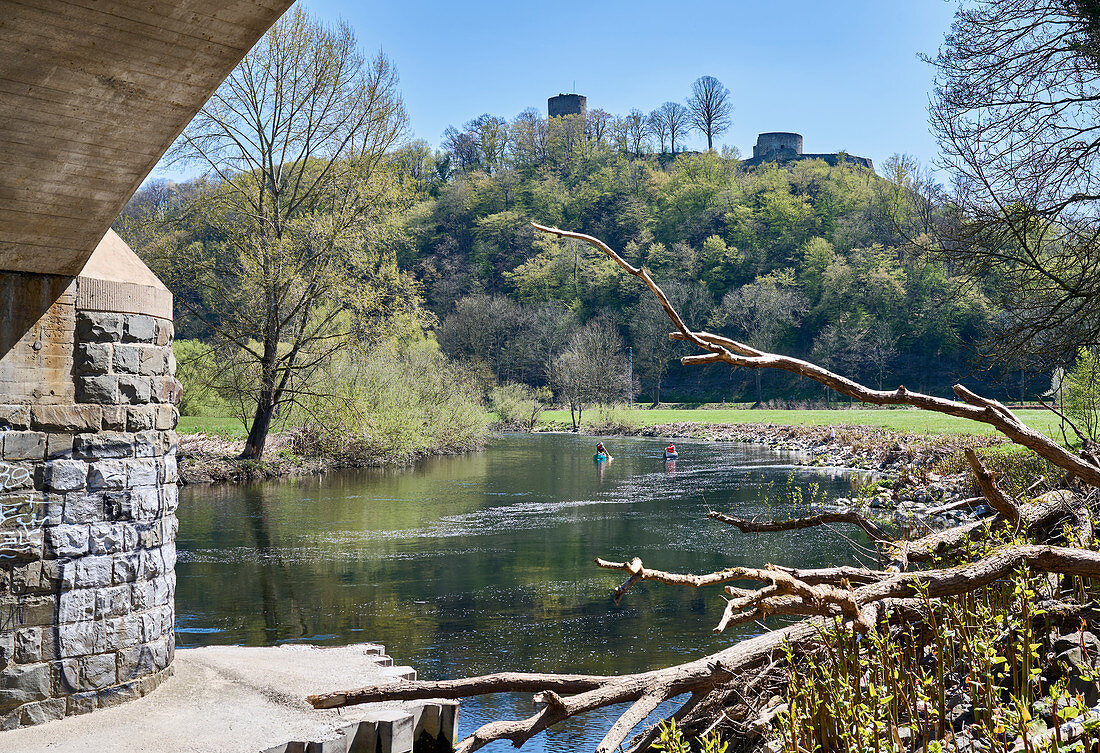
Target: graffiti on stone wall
20, 519
13, 476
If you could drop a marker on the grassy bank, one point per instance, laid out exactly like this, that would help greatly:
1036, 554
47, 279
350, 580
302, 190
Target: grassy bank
918, 421
910, 420
218, 426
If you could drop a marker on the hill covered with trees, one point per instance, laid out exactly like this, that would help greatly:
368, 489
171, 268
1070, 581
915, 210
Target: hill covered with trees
802, 256
812, 259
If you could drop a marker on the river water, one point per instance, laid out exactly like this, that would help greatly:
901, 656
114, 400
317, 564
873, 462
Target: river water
482, 563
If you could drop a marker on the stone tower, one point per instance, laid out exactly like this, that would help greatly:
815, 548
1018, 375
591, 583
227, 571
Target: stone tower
780, 144
567, 104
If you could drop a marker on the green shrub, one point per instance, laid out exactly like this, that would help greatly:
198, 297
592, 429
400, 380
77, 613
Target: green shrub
391, 404
197, 374
611, 419
519, 404
1081, 393
671, 739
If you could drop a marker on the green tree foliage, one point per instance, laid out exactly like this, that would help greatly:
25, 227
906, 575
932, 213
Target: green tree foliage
393, 402
762, 312
1080, 390
592, 369
518, 404
285, 248
700, 218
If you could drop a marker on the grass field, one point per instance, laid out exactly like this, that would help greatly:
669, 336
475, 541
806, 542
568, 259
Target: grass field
900, 419
223, 426
918, 421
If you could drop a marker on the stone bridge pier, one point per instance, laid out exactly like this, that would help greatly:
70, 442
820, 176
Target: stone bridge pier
87, 487
91, 95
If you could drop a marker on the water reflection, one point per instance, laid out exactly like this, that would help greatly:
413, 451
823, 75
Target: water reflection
482, 563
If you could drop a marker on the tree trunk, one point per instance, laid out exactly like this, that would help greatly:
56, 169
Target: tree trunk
261, 426
710, 142
759, 391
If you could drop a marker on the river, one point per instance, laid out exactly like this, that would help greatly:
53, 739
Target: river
482, 563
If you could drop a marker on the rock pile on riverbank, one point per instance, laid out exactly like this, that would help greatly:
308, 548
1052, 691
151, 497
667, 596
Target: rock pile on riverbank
908, 487
865, 447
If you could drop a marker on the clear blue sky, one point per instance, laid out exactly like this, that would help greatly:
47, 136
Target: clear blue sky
845, 74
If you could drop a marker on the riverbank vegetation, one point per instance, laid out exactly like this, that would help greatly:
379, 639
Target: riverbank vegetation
913, 421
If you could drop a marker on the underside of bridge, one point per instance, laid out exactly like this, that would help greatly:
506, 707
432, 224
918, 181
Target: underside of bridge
92, 93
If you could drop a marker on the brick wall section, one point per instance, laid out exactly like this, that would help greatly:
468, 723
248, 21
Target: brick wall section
87, 509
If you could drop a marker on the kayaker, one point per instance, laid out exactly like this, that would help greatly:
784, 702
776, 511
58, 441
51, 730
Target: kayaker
671, 449
600, 449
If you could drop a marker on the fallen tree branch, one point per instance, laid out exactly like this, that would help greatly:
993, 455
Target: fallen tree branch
698, 677
786, 595
998, 500
796, 524
969, 405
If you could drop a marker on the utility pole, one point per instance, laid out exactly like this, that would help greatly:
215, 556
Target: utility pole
630, 375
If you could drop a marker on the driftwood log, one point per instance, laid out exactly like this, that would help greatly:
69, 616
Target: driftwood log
854, 596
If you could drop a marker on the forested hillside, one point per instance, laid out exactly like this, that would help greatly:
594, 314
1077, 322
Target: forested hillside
802, 257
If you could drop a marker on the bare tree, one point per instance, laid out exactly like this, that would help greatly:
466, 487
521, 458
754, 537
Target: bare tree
674, 119
527, 138
638, 128
462, 147
652, 350
1016, 109
490, 133
295, 142
658, 128
479, 329
711, 110
841, 346
592, 369
599, 121
618, 134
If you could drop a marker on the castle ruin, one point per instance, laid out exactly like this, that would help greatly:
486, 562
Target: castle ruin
783, 146
567, 104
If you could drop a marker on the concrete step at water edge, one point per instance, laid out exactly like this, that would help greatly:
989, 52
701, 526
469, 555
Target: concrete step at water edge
421, 728
400, 672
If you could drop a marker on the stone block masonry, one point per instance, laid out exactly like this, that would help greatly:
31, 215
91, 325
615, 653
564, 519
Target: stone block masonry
87, 497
